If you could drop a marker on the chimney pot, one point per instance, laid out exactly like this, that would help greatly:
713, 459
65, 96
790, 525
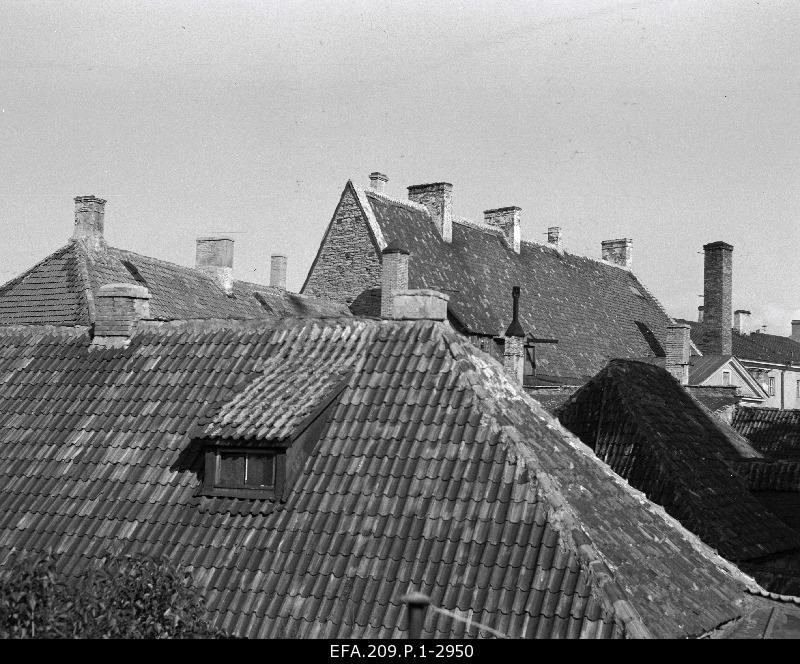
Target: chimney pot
119, 307
741, 321
394, 276
554, 238
90, 214
214, 256
678, 352
277, 271
506, 219
438, 198
700, 314
717, 336
377, 181
796, 330
619, 252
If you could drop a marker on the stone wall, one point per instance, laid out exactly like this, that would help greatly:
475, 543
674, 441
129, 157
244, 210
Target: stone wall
348, 267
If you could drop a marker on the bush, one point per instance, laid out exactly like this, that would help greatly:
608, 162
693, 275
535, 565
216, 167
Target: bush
122, 597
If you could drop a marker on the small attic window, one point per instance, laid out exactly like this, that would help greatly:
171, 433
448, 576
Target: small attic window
244, 473
636, 291
134, 272
263, 302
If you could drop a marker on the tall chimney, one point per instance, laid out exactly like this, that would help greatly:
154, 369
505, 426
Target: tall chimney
119, 307
377, 181
700, 314
741, 321
717, 298
507, 220
514, 347
277, 271
90, 213
438, 198
678, 352
394, 276
619, 252
554, 238
214, 256
796, 330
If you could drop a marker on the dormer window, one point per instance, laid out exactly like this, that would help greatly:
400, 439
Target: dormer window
244, 473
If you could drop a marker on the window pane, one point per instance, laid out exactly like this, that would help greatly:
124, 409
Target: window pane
260, 470
231, 469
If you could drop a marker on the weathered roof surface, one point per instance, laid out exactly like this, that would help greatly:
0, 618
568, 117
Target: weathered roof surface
772, 431
716, 397
435, 474
596, 310
60, 289
652, 432
758, 347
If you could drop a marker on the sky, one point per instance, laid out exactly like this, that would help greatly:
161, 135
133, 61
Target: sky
672, 122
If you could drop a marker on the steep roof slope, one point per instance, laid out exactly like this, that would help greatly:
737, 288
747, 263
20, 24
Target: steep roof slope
435, 474
772, 431
653, 433
596, 310
60, 290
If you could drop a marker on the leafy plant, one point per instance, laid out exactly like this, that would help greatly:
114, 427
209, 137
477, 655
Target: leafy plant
125, 597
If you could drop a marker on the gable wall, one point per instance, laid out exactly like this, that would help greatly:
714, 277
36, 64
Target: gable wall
348, 267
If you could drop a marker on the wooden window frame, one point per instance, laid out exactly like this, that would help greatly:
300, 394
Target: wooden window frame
210, 479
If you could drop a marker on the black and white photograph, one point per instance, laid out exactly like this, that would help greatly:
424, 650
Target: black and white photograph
399, 329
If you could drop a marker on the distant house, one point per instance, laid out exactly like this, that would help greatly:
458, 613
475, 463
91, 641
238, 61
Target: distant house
576, 312
652, 432
312, 472
772, 361
61, 289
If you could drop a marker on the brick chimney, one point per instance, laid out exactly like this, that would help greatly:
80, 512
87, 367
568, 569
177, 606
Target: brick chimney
277, 271
394, 276
438, 198
741, 321
419, 304
796, 330
700, 314
90, 213
678, 352
377, 181
717, 299
554, 238
619, 252
214, 256
514, 346
507, 220
119, 307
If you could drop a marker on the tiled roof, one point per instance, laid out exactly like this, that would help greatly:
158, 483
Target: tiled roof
652, 432
772, 431
715, 397
60, 289
435, 474
597, 311
757, 347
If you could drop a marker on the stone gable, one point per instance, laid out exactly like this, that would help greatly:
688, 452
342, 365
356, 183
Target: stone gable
347, 268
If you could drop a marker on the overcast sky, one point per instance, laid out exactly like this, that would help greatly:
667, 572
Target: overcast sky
673, 122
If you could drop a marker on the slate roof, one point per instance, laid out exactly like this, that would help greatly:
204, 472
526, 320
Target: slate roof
596, 310
757, 347
60, 290
652, 432
434, 474
774, 432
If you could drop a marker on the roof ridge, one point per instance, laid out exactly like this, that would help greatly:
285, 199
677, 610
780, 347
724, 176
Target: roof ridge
693, 540
419, 207
83, 274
